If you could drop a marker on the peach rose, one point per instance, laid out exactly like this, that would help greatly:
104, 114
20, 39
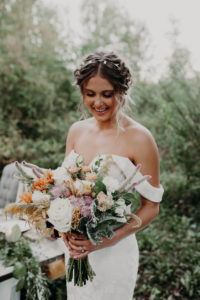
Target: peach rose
104, 202
91, 176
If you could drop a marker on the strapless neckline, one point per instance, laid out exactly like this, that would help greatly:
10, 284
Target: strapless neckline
127, 167
102, 155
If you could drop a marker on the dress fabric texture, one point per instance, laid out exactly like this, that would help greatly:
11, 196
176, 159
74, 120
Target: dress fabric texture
115, 266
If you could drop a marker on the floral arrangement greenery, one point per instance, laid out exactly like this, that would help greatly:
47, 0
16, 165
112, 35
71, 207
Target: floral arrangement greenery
31, 281
80, 198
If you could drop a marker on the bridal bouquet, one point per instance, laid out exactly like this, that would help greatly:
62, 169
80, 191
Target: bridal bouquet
78, 198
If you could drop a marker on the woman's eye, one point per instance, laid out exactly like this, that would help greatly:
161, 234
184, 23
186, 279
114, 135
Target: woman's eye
90, 95
107, 95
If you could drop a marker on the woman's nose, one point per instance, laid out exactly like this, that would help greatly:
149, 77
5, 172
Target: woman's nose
98, 101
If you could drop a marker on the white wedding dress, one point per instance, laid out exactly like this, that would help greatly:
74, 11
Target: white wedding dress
115, 266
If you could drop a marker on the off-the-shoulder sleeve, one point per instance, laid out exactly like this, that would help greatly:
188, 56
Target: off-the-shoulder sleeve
150, 192
144, 188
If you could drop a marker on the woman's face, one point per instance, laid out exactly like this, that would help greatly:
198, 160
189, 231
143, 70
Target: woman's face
99, 97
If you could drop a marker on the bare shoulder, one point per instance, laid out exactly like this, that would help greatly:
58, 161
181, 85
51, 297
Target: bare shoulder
75, 130
140, 136
79, 126
143, 150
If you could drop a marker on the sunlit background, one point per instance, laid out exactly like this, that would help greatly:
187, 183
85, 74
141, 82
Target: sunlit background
160, 17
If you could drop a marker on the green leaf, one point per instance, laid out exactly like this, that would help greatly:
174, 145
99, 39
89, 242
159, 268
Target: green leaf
20, 284
19, 270
99, 185
128, 197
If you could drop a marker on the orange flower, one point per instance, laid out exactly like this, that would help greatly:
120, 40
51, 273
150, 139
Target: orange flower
40, 184
26, 197
49, 177
87, 187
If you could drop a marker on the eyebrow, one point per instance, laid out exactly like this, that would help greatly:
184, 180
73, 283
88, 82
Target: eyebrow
89, 90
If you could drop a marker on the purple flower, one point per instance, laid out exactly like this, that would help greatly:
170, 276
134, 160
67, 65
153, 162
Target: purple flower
84, 203
60, 190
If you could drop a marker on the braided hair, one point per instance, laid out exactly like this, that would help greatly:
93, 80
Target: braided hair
111, 67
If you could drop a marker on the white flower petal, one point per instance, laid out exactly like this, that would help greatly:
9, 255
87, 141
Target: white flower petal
60, 214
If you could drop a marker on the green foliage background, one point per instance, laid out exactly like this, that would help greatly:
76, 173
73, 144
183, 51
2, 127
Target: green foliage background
38, 103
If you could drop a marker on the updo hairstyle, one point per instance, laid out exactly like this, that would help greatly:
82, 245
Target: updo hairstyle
109, 66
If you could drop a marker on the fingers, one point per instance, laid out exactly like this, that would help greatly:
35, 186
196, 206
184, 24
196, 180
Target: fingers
77, 236
66, 240
76, 255
79, 243
77, 248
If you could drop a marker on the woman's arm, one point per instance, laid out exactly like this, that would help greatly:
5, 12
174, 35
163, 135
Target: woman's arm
146, 154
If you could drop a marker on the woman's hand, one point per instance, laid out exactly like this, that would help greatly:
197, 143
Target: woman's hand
79, 247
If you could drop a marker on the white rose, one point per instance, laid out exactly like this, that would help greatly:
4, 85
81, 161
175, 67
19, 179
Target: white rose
60, 214
13, 234
38, 196
60, 174
111, 184
71, 160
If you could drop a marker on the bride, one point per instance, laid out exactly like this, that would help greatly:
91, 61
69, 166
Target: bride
104, 80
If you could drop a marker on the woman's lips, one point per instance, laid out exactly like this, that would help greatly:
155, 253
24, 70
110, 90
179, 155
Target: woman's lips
100, 111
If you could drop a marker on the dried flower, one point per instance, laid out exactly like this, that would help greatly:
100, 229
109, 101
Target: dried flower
26, 197
40, 184
76, 215
49, 177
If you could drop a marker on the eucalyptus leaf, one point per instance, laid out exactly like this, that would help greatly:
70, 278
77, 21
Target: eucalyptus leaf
19, 270
20, 284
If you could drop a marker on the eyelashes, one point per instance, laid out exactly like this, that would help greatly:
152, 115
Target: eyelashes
104, 95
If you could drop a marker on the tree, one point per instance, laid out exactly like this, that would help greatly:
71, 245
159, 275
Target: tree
36, 93
106, 27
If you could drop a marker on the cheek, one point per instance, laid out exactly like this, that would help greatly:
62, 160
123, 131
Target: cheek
87, 101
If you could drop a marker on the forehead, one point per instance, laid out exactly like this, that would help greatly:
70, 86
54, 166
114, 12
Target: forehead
98, 83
